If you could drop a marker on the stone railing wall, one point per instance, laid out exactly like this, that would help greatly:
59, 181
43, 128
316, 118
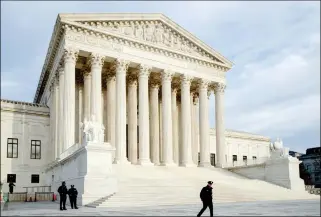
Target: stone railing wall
244, 163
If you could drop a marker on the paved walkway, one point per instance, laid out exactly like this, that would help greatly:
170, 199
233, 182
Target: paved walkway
265, 208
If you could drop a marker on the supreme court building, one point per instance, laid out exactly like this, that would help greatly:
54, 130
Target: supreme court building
144, 78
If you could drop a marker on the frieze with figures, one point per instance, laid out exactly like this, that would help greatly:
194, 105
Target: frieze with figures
154, 32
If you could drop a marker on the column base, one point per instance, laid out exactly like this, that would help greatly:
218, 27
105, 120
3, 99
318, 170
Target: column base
187, 165
145, 162
205, 164
157, 164
121, 161
170, 164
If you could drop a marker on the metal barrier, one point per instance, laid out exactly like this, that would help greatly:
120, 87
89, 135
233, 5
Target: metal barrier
44, 196
17, 197
38, 189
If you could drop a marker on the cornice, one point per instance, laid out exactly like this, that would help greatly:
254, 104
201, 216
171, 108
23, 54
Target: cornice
22, 103
24, 108
51, 53
242, 135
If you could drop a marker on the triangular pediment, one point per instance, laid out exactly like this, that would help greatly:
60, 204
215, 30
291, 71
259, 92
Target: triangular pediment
151, 29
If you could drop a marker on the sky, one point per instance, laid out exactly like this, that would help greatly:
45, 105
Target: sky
272, 90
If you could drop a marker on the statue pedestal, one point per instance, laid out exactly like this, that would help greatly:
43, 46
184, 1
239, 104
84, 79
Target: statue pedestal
284, 171
95, 172
89, 168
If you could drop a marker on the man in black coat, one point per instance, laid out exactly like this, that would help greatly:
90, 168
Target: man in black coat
206, 196
62, 190
11, 185
72, 192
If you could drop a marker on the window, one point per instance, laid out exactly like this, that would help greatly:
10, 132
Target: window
35, 149
11, 178
213, 159
244, 158
12, 148
308, 167
234, 158
34, 178
254, 157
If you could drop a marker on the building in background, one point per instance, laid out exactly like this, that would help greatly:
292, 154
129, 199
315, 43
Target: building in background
310, 170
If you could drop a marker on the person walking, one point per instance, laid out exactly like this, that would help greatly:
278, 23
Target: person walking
206, 196
11, 185
63, 191
72, 192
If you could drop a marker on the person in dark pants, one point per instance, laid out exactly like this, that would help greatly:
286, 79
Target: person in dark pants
11, 185
63, 191
206, 196
72, 192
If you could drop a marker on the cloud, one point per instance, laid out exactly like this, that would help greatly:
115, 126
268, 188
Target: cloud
6, 84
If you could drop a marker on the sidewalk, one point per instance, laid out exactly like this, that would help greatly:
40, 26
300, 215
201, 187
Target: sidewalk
266, 208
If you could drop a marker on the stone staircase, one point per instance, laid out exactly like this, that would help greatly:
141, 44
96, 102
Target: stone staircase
146, 186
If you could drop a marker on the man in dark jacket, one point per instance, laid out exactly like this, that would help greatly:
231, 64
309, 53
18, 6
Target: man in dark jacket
206, 196
62, 190
11, 185
72, 192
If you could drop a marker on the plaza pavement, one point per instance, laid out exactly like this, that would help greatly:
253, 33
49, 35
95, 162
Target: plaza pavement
259, 208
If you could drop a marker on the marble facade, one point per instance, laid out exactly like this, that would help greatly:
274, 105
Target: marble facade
145, 79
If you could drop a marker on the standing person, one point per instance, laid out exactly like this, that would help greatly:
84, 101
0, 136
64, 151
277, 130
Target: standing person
11, 185
63, 191
207, 198
72, 192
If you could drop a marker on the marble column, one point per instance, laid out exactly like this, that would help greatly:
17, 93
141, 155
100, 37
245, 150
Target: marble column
51, 151
167, 119
121, 67
70, 58
143, 122
160, 108
96, 62
80, 112
186, 140
56, 120
111, 108
175, 125
219, 89
154, 122
132, 119
204, 125
61, 131
193, 125
87, 93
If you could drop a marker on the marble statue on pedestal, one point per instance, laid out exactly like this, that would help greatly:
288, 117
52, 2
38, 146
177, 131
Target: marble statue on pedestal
277, 149
92, 130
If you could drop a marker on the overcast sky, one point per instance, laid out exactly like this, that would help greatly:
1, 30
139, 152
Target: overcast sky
273, 89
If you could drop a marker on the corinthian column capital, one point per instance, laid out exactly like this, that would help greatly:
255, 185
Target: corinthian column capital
60, 69
144, 70
219, 88
132, 80
70, 54
186, 79
96, 60
120, 66
203, 84
167, 75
